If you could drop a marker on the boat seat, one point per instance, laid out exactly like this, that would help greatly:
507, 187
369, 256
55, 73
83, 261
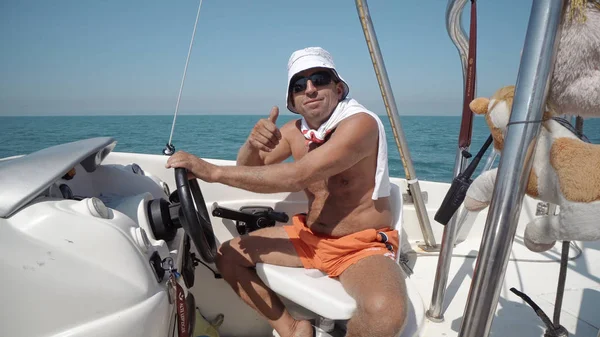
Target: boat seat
325, 296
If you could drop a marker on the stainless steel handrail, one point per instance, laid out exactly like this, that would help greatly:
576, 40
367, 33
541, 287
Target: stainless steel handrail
392, 111
454, 11
513, 171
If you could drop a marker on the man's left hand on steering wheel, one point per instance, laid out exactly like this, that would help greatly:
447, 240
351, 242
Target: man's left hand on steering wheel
197, 167
196, 224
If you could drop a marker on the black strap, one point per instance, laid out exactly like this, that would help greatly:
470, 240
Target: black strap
571, 128
527, 122
562, 122
473, 165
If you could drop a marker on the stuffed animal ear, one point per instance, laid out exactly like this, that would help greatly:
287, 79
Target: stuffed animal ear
479, 105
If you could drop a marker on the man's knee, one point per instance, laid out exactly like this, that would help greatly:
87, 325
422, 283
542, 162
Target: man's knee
388, 313
222, 256
229, 256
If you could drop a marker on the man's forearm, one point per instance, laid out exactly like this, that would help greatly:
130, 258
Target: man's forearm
249, 156
275, 178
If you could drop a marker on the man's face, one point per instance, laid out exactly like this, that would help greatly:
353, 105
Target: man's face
315, 93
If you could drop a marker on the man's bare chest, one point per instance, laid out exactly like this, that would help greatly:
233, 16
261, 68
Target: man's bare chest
338, 184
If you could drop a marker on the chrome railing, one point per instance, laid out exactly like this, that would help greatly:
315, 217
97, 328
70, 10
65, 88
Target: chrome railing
392, 112
515, 163
457, 34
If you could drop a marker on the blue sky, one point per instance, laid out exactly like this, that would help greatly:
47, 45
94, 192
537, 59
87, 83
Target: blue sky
127, 57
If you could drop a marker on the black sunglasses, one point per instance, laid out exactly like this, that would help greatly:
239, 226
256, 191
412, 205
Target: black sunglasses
318, 79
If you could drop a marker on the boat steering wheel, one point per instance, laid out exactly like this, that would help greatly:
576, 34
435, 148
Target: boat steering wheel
196, 224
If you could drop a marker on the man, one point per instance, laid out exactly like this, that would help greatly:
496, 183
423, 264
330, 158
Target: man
340, 161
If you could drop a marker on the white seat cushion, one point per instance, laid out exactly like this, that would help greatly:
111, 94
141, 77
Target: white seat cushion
326, 296
310, 289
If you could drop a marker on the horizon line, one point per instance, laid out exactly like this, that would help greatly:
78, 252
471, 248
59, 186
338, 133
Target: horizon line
199, 114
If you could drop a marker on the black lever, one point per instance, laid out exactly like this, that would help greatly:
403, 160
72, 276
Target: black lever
228, 213
278, 216
552, 330
250, 215
250, 218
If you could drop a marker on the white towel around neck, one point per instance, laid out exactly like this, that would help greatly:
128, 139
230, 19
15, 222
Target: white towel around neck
345, 109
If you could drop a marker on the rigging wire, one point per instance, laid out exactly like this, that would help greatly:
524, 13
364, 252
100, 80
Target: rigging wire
170, 149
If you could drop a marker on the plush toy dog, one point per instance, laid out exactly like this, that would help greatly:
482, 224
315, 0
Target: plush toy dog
565, 172
575, 84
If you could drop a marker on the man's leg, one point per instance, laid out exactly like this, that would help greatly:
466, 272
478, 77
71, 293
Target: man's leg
377, 284
236, 260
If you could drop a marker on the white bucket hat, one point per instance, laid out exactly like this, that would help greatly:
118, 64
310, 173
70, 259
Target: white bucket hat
307, 58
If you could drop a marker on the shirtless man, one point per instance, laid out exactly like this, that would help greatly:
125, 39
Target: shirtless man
348, 210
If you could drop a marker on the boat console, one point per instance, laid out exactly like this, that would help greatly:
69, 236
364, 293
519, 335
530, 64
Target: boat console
86, 248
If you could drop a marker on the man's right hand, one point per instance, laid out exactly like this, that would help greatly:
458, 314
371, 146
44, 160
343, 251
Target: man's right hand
265, 135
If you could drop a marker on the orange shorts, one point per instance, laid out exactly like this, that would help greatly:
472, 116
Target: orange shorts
333, 255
